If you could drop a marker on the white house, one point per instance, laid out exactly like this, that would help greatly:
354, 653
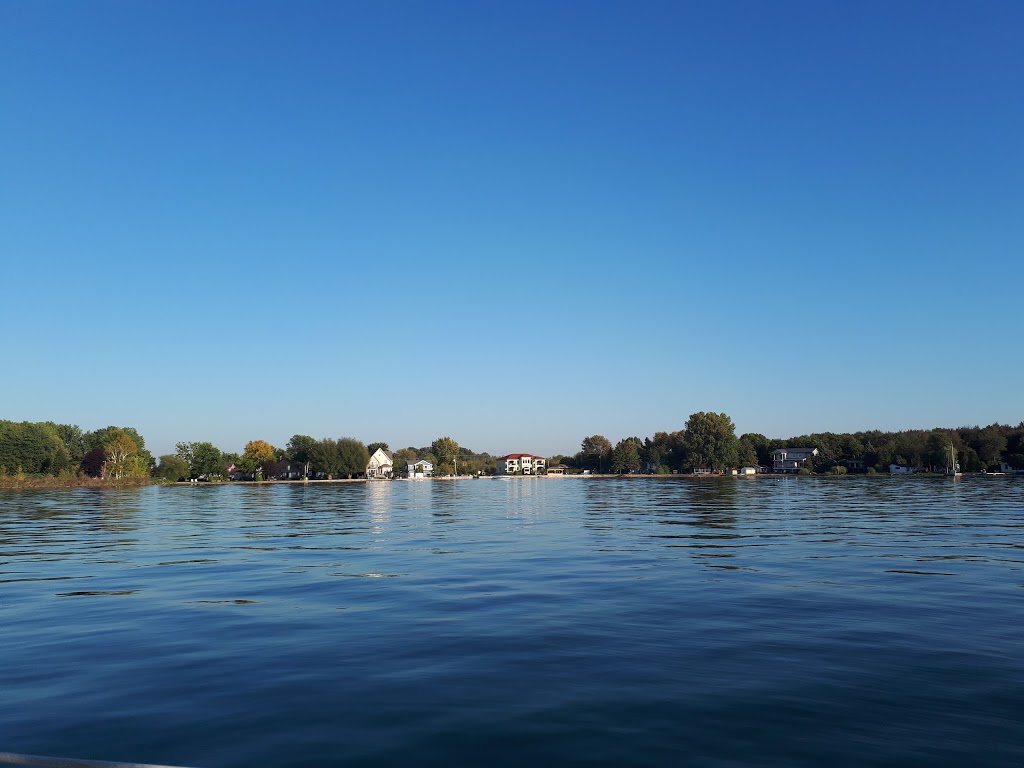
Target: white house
900, 469
1004, 467
381, 465
791, 459
420, 468
520, 464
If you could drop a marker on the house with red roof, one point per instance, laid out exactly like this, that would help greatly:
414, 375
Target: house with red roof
520, 464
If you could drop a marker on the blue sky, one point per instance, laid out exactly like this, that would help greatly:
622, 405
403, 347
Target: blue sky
516, 224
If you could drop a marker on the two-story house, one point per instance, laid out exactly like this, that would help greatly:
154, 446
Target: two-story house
791, 459
419, 468
520, 464
381, 465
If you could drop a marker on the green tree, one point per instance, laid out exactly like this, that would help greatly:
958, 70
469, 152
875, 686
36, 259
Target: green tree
626, 456
447, 452
989, 445
100, 437
596, 451
762, 448
204, 459
118, 452
746, 452
710, 440
670, 448
33, 448
650, 454
325, 457
300, 449
73, 438
171, 468
372, 447
353, 457
938, 451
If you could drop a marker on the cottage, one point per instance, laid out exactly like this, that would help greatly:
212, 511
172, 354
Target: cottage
901, 469
381, 465
556, 470
790, 460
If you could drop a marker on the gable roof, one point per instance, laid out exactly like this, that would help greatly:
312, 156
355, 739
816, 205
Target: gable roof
386, 454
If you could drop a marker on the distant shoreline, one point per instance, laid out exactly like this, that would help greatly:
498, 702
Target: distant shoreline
42, 484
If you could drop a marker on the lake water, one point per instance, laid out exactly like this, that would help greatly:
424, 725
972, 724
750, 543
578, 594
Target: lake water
721, 622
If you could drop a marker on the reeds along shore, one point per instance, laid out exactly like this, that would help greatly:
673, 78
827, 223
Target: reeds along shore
15, 481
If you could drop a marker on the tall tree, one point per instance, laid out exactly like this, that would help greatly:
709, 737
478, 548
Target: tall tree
73, 439
990, 444
171, 468
596, 449
447, 452
939, 450
746, 452
118, 451
101, 437
204, 459
258, 454
710, 440
762, 448
33, 448
300, 448
325, 457
626, 456
353, 457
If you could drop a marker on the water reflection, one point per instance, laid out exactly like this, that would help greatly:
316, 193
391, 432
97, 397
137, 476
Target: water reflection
719, 620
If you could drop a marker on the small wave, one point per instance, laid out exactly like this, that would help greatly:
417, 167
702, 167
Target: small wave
230, 602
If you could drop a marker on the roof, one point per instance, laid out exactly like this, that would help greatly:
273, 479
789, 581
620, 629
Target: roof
794, 450
514, 456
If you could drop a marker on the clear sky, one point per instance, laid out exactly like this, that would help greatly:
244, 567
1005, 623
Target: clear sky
514, 223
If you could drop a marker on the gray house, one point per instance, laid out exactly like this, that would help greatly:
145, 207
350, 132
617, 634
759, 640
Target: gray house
790, 460
421, 468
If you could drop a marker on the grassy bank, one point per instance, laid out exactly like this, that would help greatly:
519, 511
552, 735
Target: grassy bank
22, 481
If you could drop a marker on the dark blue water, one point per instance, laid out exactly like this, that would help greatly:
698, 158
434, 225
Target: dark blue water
722, 622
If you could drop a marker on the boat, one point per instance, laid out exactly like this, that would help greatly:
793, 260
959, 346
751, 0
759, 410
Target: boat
952, 467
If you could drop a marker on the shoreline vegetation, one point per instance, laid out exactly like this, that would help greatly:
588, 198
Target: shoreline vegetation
46, 455
47, 482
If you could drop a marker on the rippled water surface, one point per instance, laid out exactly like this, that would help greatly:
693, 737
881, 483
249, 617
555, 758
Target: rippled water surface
721, 622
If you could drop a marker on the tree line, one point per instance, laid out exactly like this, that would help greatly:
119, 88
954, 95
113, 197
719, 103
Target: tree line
64, 450
306, 456
709, 440
706, 440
